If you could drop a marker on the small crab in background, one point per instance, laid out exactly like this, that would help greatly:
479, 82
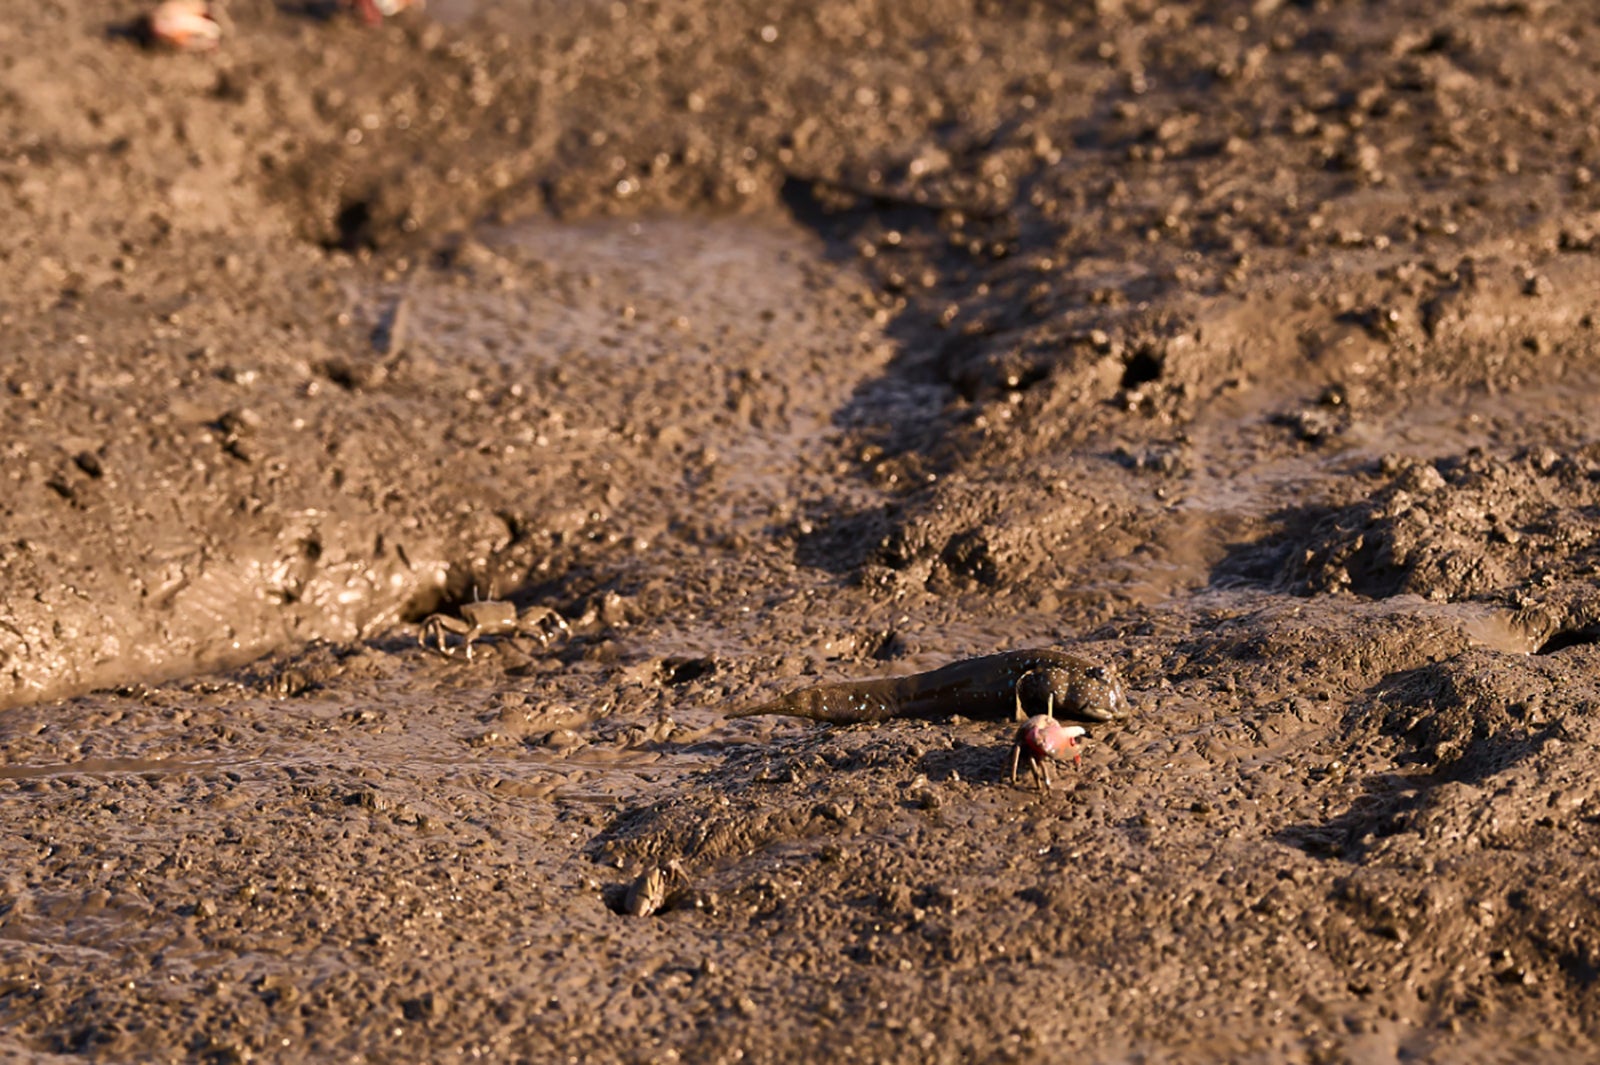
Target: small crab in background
373, 12
1042, 740
490, 617
182, 25
651, 891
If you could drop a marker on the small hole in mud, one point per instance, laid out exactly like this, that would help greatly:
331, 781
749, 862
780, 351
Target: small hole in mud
1570, 638
89, 463
891, 647
615, 897
1143, 365
354, 225
683, 670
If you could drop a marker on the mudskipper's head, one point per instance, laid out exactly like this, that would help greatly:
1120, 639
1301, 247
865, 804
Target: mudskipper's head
1086, 693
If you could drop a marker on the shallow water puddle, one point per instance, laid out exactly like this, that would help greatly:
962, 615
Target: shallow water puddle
98, 767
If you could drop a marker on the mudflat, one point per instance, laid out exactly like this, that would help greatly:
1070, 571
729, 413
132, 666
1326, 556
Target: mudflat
1247, 350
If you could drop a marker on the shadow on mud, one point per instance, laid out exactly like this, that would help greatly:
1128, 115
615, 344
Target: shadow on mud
1454, 736
838, 539
1280, 561
908, 410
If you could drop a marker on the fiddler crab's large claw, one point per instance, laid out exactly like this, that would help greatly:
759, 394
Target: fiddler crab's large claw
491, 617
1042, 740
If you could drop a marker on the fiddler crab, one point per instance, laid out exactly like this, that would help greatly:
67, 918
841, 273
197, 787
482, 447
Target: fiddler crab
490, 617
647, 894
1042, 740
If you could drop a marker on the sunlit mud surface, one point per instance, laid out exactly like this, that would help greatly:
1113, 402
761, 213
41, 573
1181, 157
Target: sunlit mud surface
1249, 351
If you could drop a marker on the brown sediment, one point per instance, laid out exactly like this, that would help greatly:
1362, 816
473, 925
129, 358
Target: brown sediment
1247, 349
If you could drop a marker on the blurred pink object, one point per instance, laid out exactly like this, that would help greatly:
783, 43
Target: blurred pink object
373, 12
185, 25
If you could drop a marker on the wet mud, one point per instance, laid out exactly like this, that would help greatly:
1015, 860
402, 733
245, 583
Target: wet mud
1247, 350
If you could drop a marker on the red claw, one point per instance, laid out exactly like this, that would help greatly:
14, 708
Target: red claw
1043, 740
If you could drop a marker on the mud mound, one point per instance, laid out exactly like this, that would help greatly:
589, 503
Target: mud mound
1469, 526
1475, 714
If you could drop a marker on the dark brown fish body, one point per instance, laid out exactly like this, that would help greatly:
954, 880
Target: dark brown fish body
994, 687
